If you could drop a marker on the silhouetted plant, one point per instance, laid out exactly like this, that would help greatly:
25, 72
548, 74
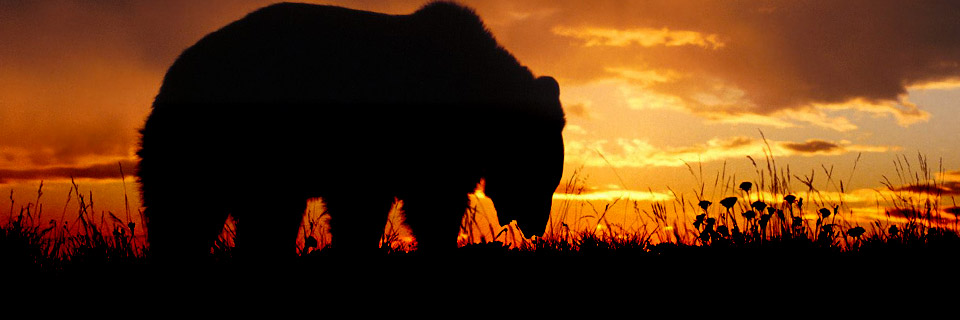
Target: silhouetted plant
856, 232
699, 220
704, 204
708, 232
824, 213
737, 236
797, 226
790, 199
54, 245
764, 219
827, 235
728, 202
723, 230
759, 205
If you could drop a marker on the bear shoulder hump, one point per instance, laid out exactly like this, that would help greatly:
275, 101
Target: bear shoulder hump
446, 15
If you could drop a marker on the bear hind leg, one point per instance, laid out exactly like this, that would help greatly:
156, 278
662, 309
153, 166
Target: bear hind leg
183, 233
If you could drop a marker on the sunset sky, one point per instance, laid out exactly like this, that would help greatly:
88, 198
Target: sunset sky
647, 87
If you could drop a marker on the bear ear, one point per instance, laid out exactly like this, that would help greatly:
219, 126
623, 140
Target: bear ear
548, 87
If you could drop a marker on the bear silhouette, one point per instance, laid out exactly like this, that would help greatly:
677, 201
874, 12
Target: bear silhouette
297, 101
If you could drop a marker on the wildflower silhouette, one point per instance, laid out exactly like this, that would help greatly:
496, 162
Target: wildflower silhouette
826, 235
724, 231
737, 235
728, 202
708, 233
790, 199
745, 186
797, 224
699, 220
856, 232
704, 204
705, 235
824, 212
759, 205
764, 219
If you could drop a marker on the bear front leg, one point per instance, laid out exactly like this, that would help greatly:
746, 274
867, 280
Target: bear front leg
435, 220
357, 221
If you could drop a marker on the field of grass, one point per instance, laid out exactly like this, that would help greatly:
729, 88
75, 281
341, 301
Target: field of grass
761, 219
767, 214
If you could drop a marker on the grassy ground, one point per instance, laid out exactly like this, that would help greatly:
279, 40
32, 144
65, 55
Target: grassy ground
754, 224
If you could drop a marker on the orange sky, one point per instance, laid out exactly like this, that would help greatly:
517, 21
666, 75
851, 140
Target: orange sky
647, 86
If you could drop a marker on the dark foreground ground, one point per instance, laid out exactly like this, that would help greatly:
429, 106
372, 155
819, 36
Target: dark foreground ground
491, 281
780, 273
480, 266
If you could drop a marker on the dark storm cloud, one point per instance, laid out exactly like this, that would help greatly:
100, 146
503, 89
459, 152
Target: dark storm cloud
934, 217
152, 32
812, 146
97, 171
945, 217
780, 54
945, 188
904, 213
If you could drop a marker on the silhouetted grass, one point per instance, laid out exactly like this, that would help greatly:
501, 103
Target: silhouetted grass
738, 219
30, 243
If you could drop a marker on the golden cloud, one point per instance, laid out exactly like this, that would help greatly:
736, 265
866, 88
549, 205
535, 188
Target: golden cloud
905, 112
639, 153
942, 84
611, 195
644, 37
748, 118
